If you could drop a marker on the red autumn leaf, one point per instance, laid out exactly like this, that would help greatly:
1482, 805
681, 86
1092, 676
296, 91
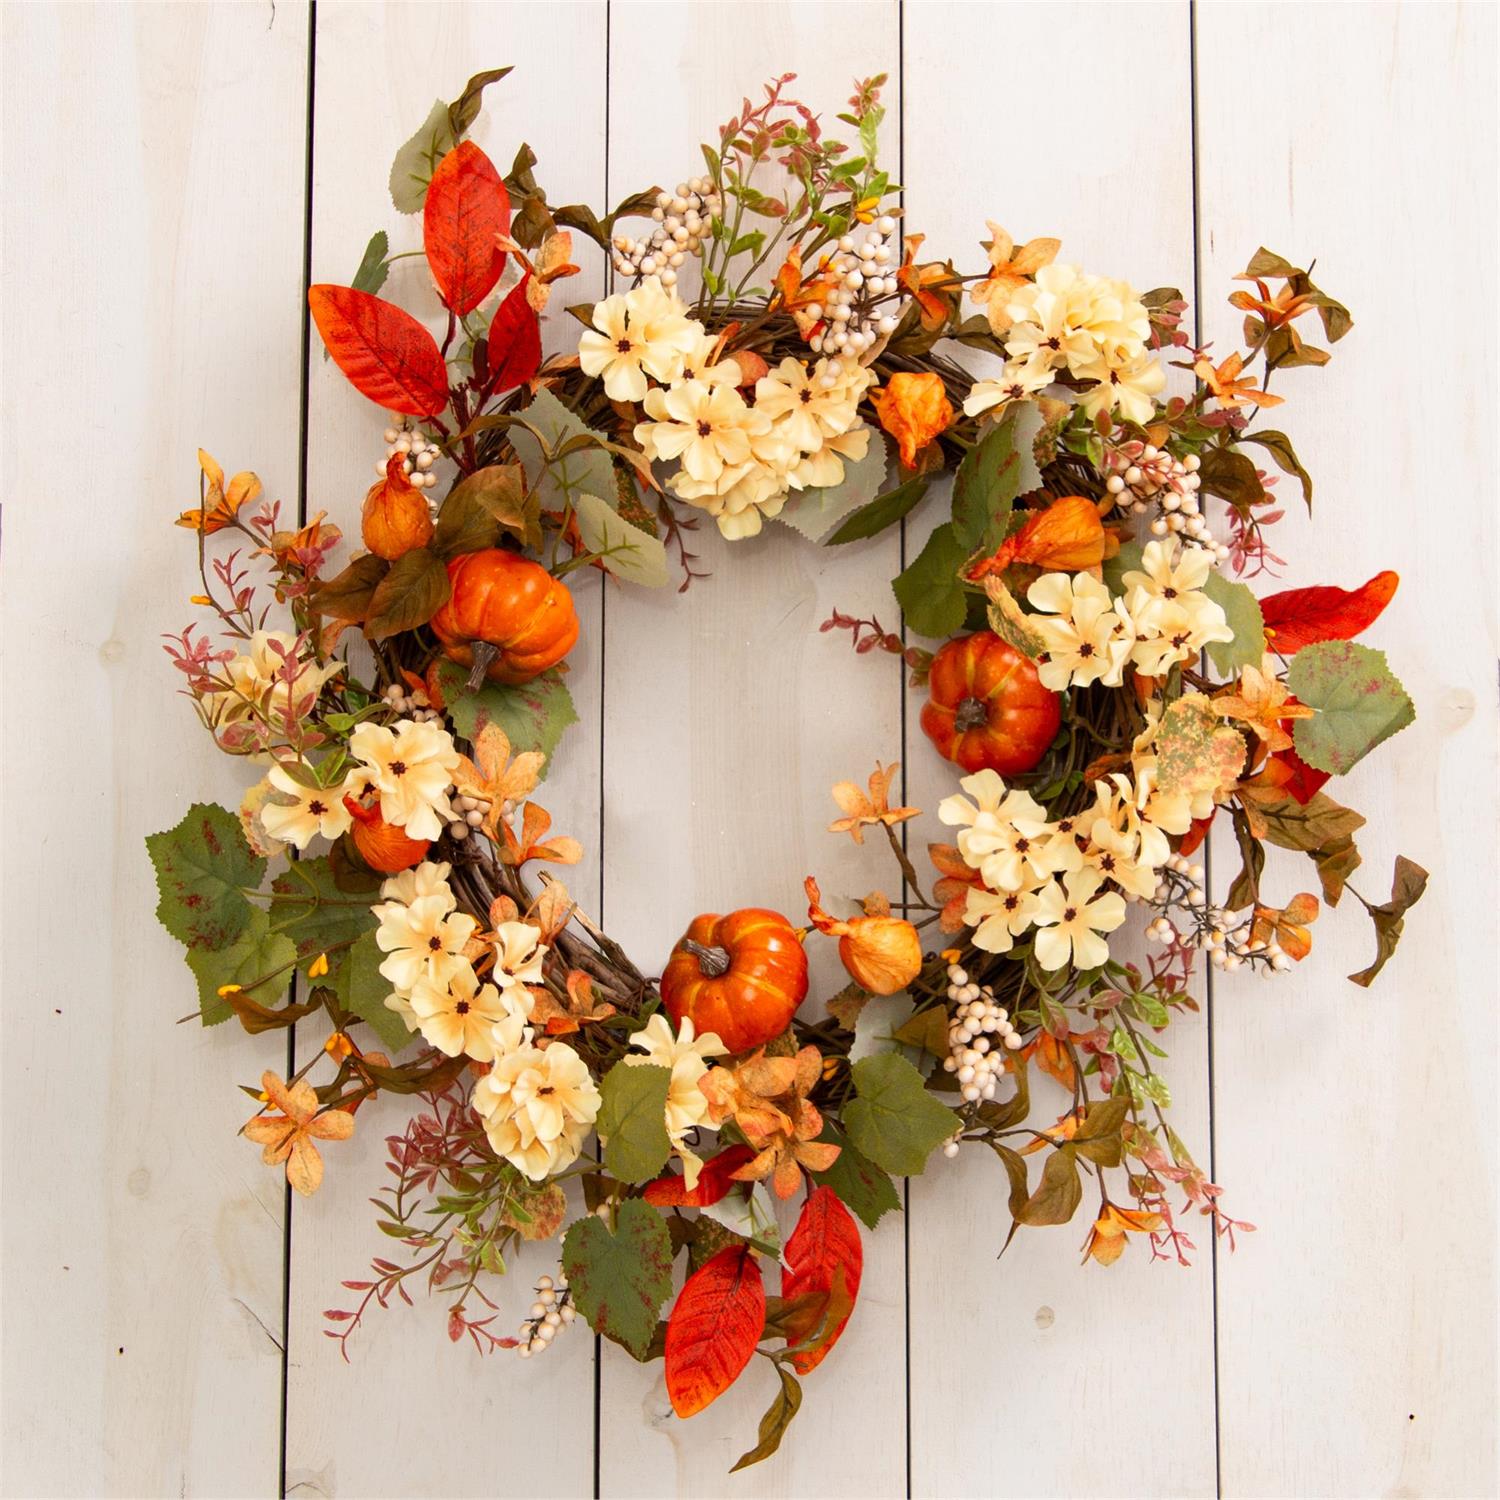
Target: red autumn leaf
1197, 832
825, 1241
515, 341
467, 208
1304, 782
1300, 617
387, 355
714, 1328
714, 1181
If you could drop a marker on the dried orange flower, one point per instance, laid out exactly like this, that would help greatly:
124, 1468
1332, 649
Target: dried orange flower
1106, 1238
220, 505
535, 821
494, 778
289, 1136
914, 409
861, 808
1230, 390
1010, 270
1261, 705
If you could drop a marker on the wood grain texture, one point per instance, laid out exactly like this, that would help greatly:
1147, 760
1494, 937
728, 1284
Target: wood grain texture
153, 171
372, 1427
1356, 1329
1047, 1347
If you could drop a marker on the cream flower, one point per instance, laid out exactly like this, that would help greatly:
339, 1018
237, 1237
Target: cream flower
412, 770
809, 405
315, 810
1169, 632
699, 366
1171, 571
823, 468
999, 917
424, 940
462, 1015
1086, 640
261, 679
1018, 381
519, 951
645, 332
1118, 846
1129, 382
1070, 918
708, 428
687, 1058
1050, 319
743, 495
430, 878
537, 1107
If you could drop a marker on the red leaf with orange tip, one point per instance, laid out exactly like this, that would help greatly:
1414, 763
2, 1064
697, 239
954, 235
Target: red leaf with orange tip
1301, 781
1301, 617
467, 207
387, 355
714, 1328
825, 1241
714, 1182
515, 341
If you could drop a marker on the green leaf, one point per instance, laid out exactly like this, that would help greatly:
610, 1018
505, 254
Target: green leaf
255, 953
1242, 613
987, 482
203, 867
929, 592
1359, 703
414, 590
1407, 885
308, 906
489, 501
778, 1418
1059, 1193
1279, 446
544, 428
416, 161
862, 1187
816, 512
373, 267
1266, 263
347, 596
620, 1279
1232, 476
532, 714
883, 511
632, 555
362, 990
1319, 823
632, 1120
894, 1120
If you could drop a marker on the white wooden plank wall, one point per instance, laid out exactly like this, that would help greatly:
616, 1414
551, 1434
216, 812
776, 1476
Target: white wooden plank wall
156, 195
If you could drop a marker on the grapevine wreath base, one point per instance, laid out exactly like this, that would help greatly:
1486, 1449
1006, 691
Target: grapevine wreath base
1103, 681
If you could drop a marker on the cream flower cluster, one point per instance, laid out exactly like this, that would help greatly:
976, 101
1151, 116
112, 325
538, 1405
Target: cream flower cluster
537, 1104
736, 460
1163, 618
1094, 328
428, 945
410, 768
260, 682
1051, 877
686, 1057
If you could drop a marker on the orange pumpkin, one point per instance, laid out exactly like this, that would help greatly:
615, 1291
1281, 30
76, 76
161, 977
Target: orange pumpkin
987, 708
508, 618
382, 845
742, 976
395, 518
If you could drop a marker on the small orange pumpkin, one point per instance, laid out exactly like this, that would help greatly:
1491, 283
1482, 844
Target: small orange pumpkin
508, 618
742, 976
987, 708
382, 845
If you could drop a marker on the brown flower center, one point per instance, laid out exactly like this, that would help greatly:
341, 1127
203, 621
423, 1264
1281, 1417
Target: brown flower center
1070, 913
705, 429
316, 808
623, 345
398, 768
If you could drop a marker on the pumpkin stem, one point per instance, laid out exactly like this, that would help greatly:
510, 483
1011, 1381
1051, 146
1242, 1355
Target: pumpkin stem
971, 714
713, 962
484, 653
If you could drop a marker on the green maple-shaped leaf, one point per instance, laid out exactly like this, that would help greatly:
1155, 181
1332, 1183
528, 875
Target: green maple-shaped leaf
258, 960
1358, 702
620, 1279
532, 714
362, 989
632, 1120
892, 1119
204, 866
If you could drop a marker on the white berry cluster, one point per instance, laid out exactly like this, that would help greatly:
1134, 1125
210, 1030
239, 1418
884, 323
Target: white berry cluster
1142, 476
552, 1311
861, 272
1225, 935
420, 454
411, 703
683, 218
979, 1035
471, 814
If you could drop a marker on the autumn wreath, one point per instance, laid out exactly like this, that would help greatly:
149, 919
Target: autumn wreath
1107, 689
